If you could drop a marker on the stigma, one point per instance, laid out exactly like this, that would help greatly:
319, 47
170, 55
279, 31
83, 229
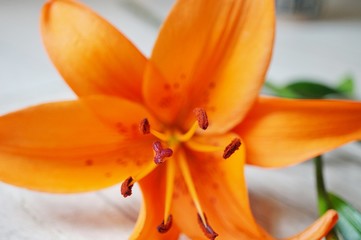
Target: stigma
161, 153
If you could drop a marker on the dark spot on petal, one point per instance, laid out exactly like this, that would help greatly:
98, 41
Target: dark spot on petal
165, 102
215, 185
212, 85
166, 86
119, 161
121, 128
89, 162
108, 174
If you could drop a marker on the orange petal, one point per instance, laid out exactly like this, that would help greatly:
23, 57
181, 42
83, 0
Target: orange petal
222, 192
281, 132
63, 147
318, 229
111, 110
213, 55
151, 213
90, 54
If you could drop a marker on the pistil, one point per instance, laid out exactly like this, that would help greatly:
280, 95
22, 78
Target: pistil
161, 153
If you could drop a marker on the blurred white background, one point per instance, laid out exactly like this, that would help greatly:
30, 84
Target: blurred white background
326, 46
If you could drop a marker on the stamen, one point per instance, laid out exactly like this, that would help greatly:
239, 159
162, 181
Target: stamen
188, 135
202, 118
160, 152
202, 122
199, 147
144, 126
159, 135
170, 174
231, 148
144, 171
208, 231
164, 227
202, 219
126, 188
190, 185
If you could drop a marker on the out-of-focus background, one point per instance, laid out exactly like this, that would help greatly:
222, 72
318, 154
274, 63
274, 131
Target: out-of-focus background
317, 39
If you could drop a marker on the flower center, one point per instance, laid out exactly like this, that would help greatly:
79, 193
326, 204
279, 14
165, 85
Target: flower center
168, 149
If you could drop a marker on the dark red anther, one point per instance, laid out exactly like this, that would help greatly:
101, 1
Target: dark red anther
207, 230
231, 148
126, 188
202, 118
144, 126
160, 152
164, 227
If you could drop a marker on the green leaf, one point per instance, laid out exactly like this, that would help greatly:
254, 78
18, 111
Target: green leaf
311, 89
349, 223
347, 86
279, 91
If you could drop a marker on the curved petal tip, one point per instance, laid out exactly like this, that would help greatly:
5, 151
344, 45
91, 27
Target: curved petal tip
319, 228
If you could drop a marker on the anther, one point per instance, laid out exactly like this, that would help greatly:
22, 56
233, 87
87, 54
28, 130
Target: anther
208, 231
144, 126
126, 188
160, 152
164, 227
231, 148
202, 118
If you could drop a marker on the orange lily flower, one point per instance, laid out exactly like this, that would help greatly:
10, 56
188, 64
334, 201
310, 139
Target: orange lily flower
145, 121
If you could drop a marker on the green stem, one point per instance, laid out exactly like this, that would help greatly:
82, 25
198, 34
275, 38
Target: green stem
323, 202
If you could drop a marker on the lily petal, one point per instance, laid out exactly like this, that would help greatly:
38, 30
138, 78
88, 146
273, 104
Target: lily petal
90, 54
151, 213
63, 147
319, 228
213, 55
221, 188
281, 132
